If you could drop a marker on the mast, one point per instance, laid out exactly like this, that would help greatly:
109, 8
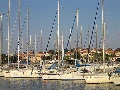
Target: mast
41, 48
62, 47
9, 33
62, 51
30, 42
81, 39
41, 40
96, 41
1, 38
27, 35
103, 31
104, 44
58, 34
22, 47
88, 43
57, 44
18, 30
70, 44
77, 32
35, 47
54, 48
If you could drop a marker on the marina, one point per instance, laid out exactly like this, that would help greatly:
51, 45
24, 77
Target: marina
57, 59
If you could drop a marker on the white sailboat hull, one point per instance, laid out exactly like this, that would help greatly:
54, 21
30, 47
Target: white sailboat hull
24, 74
72, 77
98, 79
6, 74
116, 80
1, 74
69, 76
51, 77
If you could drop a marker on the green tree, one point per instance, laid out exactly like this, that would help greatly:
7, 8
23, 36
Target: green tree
4, 58
78, 55
14, 58
51, 51
118, 49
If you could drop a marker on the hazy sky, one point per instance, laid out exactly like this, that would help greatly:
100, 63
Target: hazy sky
42, 15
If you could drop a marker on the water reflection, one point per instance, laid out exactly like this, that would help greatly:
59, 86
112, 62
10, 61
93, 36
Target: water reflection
63, 85
39, 84
50, 85
20, 84
72, 85
100, 86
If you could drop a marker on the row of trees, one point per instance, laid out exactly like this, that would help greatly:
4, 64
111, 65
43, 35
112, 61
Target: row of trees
95, 56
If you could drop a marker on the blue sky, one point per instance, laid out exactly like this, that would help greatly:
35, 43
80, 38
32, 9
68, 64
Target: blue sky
42, 14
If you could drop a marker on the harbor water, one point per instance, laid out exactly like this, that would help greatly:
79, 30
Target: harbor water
39, 84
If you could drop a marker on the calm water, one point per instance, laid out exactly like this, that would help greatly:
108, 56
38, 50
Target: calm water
38, 84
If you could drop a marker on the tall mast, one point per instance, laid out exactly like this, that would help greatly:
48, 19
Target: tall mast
103, 31
58, 34
56, 43
8, 33
1, 36
18, 30
27, 35
77, 33
1, 39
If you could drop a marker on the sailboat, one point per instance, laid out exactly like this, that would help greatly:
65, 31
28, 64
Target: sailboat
26, 72
46, 74
19, 73
63, 74
1, 74
69, 74
57, 74
102, 77
6, 72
